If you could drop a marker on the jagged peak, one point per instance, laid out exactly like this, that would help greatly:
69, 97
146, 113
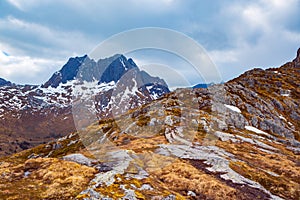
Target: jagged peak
297, 59
112, 58
117, 68
119, 56
85, 68
122, 58
4, 82
78, 58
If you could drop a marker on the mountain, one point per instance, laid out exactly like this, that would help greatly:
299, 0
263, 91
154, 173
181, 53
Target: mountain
4, 82
202, 85
104, 70
237, 140
67, 73
34, 114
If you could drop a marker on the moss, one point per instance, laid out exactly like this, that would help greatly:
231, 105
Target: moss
65, 150
139, 195
173, 111
82, 196
114, 191
143, 120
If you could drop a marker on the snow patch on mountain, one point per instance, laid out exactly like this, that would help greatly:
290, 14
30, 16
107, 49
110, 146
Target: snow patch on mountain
233, 108
253, 129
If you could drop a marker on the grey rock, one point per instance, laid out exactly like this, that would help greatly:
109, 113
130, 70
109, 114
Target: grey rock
79, 158
56, 146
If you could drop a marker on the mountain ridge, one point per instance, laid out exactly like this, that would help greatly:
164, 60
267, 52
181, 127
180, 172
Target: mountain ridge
33, 114
4, 82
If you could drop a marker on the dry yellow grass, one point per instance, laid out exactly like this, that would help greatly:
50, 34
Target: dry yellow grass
181, 177
43, 178
256, 165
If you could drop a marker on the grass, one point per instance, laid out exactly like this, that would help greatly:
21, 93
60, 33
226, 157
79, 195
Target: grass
49, 178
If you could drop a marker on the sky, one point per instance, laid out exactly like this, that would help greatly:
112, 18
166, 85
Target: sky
38, 36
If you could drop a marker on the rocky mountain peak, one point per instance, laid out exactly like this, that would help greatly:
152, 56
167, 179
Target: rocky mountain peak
84, 68
297, 59
4, 82
118, 67
68, 72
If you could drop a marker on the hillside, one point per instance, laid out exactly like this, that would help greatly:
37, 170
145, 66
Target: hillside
237, 140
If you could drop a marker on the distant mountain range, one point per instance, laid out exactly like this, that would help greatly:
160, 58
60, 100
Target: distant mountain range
32, 114
203, 85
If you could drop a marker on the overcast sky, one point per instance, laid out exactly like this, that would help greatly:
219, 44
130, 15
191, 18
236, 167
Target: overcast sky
38, 36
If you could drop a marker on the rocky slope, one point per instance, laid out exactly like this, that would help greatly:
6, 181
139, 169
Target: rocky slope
31, 115
238, 140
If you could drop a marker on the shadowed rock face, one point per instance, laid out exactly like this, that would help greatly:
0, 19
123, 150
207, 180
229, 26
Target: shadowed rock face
68, 72
238, 140
117, 69
3, 82
297, 59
